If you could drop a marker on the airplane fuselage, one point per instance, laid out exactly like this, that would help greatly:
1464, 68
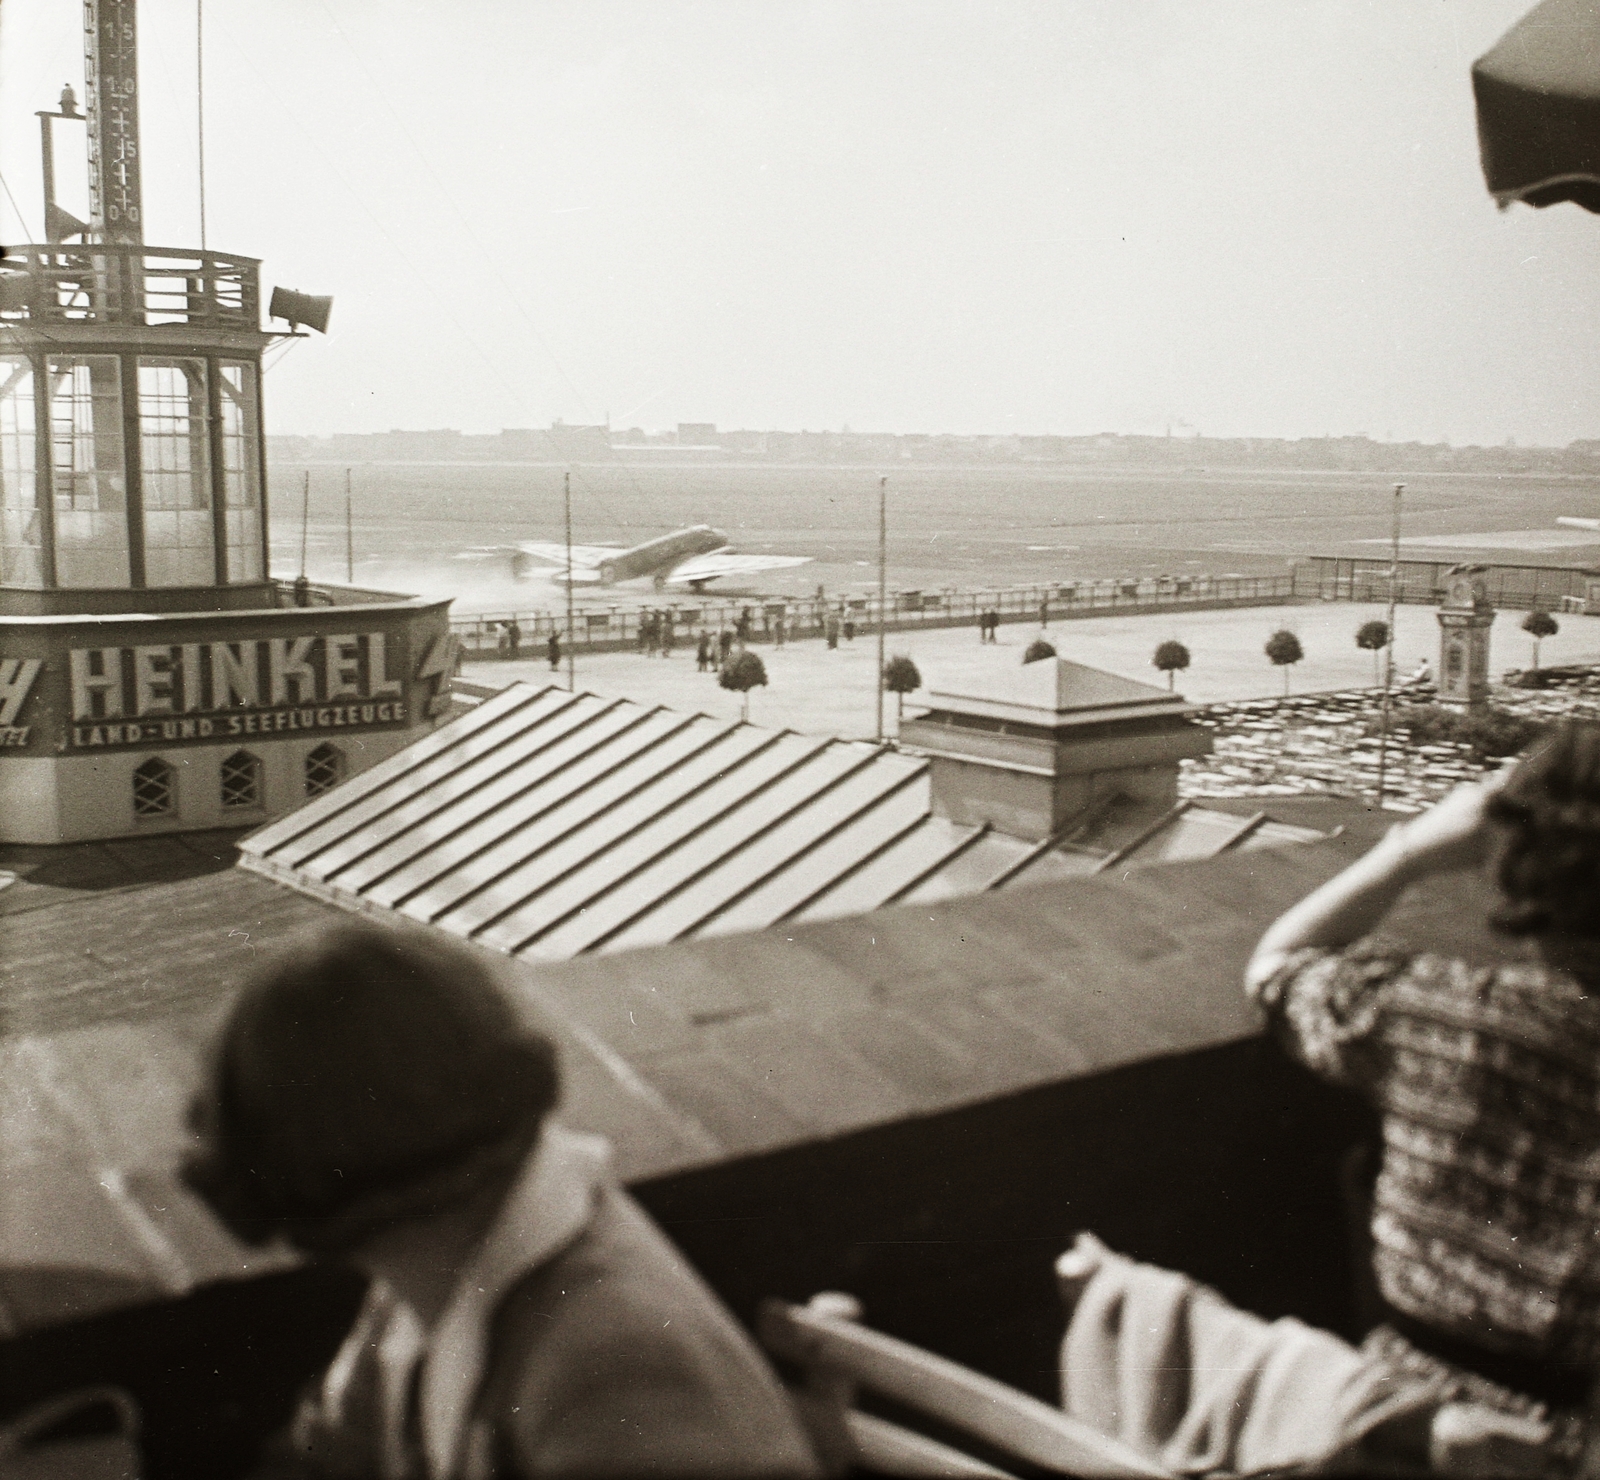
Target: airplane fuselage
687, 557
661, 556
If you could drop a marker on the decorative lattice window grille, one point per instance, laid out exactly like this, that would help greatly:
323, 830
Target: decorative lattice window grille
324, 769
155, 792
241, 780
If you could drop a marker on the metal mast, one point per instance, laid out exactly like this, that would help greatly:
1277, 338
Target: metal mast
111, 73
200, 105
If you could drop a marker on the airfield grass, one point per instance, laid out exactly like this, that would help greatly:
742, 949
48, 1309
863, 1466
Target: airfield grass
444, 529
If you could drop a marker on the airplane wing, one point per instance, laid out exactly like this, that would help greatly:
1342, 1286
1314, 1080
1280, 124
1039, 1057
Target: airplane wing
709, 567
1572, 522
584, 557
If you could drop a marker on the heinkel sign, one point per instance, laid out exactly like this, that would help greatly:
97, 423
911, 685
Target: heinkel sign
215, 681
162, 693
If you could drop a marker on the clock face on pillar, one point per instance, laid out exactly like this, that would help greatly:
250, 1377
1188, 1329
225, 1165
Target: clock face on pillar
1458, 592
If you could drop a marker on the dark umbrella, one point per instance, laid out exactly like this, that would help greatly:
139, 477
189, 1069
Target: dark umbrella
1538, 95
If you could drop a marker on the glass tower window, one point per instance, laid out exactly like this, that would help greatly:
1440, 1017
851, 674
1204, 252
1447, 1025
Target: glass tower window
241, 471
21, 534
87, 474
175, 473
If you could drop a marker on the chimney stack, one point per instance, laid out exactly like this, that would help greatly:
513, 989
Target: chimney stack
1031, 750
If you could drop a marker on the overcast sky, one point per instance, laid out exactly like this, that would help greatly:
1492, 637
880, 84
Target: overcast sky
1247, 217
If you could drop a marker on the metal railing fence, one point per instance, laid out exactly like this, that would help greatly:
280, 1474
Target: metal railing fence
618, 628
122, 283
1514, 587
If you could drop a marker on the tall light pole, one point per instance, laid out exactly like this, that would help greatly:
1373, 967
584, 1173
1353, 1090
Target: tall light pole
1388, 666
572, 628
572, 624
57, 223
883, 588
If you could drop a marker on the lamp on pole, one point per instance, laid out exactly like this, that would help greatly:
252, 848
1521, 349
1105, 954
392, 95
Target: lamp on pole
883, 587
57, 223
572, 631
1388, 667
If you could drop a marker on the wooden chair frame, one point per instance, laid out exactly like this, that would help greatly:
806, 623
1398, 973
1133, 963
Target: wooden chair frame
839, 1356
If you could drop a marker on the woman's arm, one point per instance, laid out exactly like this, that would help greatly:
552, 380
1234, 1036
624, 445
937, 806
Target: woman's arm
1452, 835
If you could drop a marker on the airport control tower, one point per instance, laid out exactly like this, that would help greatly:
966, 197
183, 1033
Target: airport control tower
153, 676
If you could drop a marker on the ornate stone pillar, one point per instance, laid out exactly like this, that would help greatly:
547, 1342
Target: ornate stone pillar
1465, 617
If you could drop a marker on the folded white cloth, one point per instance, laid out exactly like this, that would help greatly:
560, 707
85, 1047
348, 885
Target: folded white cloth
1201, 1387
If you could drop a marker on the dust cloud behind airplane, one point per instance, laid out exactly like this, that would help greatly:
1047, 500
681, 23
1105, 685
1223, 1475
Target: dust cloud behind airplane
687, 557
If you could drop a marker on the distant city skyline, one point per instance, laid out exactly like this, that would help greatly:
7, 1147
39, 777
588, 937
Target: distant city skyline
681, 430
1251, 218
704, 443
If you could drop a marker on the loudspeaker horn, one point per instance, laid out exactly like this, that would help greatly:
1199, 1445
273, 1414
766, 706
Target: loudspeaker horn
300, 308
60, 224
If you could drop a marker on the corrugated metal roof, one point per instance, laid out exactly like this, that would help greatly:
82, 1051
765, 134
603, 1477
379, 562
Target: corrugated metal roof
548, 825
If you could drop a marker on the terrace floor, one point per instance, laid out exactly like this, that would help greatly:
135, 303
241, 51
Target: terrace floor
816, 691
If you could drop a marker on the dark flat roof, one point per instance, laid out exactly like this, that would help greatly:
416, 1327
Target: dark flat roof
685, 1054
49, 874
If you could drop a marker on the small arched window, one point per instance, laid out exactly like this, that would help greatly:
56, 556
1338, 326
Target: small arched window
241, 780
325, 769
155, 788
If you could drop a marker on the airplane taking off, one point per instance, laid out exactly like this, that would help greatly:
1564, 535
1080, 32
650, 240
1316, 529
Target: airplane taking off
686, 557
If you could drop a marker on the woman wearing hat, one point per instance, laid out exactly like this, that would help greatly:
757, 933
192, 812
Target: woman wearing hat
374, 1097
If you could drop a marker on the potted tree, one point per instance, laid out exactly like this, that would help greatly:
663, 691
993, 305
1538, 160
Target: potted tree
742, 672
1373, 637
900, 677
1171, 658
1283, 650
1539, 625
